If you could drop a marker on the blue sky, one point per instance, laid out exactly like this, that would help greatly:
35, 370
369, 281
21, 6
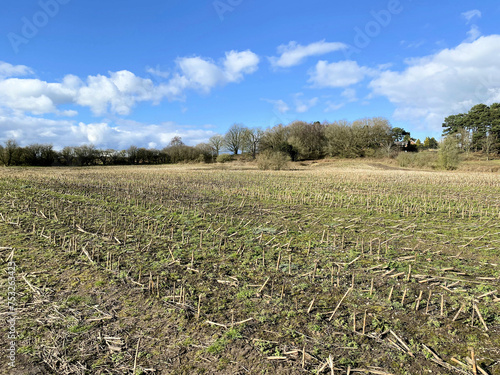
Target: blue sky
117, 73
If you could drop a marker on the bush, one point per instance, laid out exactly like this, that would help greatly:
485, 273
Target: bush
224, 158
245, 157
449, 156
426, 160
203, 159
417, 160
274, 160
405, 159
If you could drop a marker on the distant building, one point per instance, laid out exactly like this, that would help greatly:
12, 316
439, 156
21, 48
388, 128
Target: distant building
407, 146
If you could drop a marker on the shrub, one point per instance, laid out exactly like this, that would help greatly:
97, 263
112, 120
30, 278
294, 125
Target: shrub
405, 159
417, 160
449, 156
274, 160
224, 158
426, 160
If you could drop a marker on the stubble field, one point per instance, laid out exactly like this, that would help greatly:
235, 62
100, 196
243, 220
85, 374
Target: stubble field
330, 268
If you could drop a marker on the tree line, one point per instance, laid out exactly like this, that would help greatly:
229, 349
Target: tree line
298, 140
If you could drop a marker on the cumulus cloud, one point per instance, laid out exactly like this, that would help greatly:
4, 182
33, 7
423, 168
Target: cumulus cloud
450, 81
292, 54
119, 135
236, 64
35, 96
119, 92
471, 14
9, 70
203, 74
199, 74
92, 133
24, 100
29, 129
127, 133
337, 74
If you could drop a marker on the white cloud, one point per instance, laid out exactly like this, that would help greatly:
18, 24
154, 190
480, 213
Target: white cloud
300, 104
337, 74
125, 133
204, 75
333, 106
471, 14
28, 129
68, 113
199, 73
190, 136
157, 72
451, 81
33, 95
92, 133
9, 70
237, 64
473, 34
412, 45
350, 95
292, 54
119, 92
279, 105
121, 135
22, 100
303, 105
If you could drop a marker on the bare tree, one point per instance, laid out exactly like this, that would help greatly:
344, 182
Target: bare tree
233, 138
251, 140
490, 144
465, 139
216, 142
176, 141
